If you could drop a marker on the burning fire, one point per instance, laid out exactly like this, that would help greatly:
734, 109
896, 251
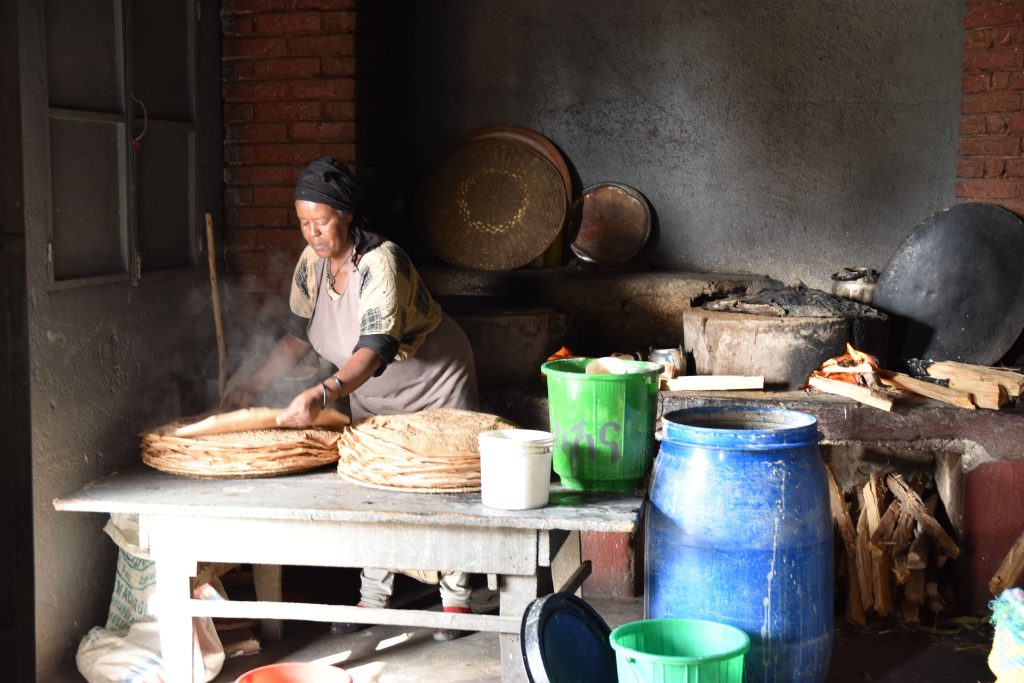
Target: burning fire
855, 367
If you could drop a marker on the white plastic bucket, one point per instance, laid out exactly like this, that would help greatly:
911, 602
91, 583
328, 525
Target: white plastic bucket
515, 468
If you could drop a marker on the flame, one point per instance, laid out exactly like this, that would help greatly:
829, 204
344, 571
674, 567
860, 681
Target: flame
563, 352
863, 367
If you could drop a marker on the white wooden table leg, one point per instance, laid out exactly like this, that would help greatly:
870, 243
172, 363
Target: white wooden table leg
267, 578
567, 561
173, 593
517, 592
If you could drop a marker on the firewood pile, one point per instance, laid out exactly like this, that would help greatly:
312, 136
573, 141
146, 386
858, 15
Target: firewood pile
892, 548
857, 375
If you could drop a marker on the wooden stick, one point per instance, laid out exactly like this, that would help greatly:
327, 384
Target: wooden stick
962, 399
1010, 569
854, 391
215, 295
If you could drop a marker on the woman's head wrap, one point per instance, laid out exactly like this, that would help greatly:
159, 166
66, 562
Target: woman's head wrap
328, 181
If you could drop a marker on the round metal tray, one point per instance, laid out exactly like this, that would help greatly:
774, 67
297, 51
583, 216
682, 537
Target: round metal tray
609, 223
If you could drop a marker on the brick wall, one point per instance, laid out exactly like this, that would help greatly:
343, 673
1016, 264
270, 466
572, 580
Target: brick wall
992, 165
302, 79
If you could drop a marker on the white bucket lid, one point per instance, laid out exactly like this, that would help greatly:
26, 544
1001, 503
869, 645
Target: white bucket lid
519, 438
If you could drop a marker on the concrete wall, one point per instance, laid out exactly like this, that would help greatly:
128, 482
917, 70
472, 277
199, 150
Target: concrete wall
105, 361
784, 138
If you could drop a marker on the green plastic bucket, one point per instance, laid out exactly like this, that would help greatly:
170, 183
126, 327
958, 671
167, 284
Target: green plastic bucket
603, 424
679, 651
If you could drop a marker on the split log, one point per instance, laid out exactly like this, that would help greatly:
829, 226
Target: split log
917, 555
962, 399
844, 522
1012, 382
986, 394
1010, 570
915, 587
901, 539
882, 536
881, 565
855, 391
914, 505
910, 610
864, 561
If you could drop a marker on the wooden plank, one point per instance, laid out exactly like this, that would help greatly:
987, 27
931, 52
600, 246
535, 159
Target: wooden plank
962, 399
323, 495
854, 391
714, 383
352, 544
1010, 569
303, 611
916, 507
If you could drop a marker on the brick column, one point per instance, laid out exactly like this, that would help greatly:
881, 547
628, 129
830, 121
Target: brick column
992, 164
289, 97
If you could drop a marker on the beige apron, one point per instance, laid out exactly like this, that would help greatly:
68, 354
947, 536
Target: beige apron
441, 374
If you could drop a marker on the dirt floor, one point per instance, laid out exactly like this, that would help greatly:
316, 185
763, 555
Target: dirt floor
950, 652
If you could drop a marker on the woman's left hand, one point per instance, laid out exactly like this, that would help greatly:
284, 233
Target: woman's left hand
303, 409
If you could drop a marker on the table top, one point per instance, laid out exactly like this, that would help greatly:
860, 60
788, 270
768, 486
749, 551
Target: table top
323, 495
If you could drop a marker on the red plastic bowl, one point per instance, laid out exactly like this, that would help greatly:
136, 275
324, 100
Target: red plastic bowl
295, 672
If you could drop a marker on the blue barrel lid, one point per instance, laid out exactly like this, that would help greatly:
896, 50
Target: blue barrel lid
565, 641
742, 427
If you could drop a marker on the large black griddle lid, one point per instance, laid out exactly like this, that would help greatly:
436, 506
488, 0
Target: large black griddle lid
565, 641
955, 287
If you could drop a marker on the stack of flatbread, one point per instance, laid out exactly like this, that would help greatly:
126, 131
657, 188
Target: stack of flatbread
432, 450
244, 443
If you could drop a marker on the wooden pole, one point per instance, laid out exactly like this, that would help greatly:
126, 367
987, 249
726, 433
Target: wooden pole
211, 253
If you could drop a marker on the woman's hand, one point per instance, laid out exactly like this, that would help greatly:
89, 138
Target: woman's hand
303, 409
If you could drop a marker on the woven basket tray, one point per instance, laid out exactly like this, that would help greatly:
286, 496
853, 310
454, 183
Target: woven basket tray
250, 454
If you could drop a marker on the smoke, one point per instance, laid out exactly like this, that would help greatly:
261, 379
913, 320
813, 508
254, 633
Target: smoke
257, 324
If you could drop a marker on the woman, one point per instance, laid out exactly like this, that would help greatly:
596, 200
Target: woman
357, 300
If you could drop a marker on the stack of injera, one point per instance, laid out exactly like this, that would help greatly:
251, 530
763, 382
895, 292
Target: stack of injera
241, 453
432, 450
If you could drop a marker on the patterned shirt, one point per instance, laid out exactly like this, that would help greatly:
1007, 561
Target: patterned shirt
396, 312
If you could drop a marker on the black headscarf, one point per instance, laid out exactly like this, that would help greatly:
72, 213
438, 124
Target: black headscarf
328, 181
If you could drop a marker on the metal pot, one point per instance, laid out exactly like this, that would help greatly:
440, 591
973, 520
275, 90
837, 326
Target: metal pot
673, 360
856, 283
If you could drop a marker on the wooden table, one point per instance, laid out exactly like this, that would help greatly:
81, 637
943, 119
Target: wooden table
319, 519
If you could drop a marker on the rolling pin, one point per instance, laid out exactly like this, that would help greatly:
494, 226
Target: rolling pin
248, 419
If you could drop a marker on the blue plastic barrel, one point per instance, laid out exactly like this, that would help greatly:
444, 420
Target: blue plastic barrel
739, 532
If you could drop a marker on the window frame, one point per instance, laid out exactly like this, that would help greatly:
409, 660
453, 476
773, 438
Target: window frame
130, 122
